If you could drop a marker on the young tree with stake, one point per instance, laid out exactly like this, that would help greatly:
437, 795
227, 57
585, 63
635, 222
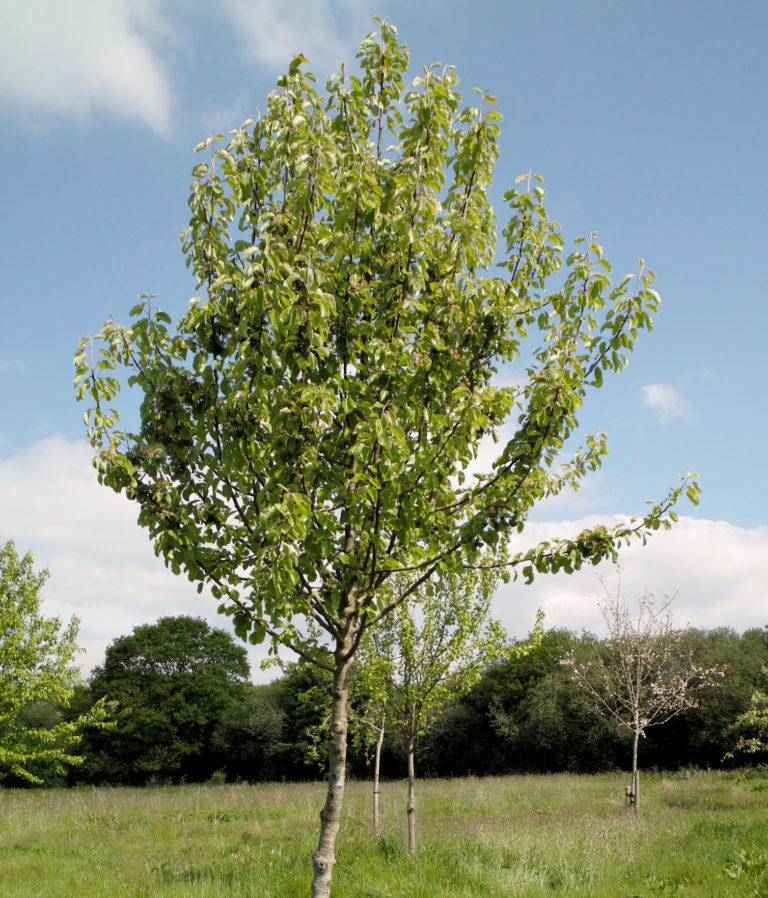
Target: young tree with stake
305, 427
643, 675
369, 720
429, 651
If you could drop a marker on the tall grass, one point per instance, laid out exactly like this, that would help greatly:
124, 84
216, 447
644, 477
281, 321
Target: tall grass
526, 836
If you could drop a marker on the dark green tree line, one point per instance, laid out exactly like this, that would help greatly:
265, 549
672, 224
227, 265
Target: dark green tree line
528, 715
183, 709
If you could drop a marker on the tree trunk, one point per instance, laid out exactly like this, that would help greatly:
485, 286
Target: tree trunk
376, 768
635, 775
411, 799
324, 857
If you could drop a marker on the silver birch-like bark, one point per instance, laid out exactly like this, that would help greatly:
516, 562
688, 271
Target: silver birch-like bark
324, 858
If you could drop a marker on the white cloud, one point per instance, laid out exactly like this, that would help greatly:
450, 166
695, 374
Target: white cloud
102, 565
325, 31
716, 570
665, 400
78, 57
104, 570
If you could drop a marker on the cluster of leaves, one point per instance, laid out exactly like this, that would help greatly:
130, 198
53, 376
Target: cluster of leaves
660, 888
750, 867
37, 677
751, 727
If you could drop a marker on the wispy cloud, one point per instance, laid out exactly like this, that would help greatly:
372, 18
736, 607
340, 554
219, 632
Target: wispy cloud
326, 31
11, 366
666, 401
77, 57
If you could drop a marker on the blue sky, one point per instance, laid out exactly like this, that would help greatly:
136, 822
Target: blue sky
648, 122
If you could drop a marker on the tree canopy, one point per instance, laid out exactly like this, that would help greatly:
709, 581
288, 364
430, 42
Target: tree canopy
169, 684
305, 428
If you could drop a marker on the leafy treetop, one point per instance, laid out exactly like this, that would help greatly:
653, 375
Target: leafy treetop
306, 426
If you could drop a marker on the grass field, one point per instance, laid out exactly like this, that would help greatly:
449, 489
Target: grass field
520, 836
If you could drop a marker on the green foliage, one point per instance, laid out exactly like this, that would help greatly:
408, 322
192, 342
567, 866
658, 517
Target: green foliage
305, 427
37, 677
432, 649
701, 736
525, 714
304, 696
750, 729
168, 685
751, 869
247, 738
559, 730
660, 887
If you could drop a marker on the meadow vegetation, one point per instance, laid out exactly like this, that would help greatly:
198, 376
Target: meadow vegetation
700, 834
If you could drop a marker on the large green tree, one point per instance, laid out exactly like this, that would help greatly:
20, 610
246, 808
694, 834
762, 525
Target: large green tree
305, 427
37, 673
168, 683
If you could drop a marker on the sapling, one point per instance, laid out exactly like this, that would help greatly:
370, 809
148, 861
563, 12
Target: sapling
642, 675
430, 651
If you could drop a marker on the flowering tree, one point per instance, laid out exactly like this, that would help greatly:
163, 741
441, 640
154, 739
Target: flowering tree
642, 675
